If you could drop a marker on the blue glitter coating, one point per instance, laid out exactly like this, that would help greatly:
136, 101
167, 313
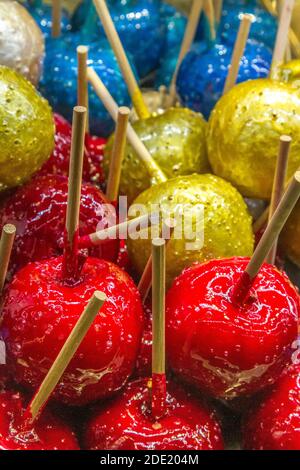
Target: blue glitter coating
263, 29
203, 72
43, 16
175, 26
139, 25
59, 80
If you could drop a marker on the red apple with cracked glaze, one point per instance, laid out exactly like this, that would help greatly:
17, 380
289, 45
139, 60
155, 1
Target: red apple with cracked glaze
38, 211
39, 312
126, 423
275, 423
225, 349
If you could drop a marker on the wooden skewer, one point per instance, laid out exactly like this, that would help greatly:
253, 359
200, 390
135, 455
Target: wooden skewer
82, 81
100, 237
153, 169
209, 9
282, 36
6, 244
238, 51
265, 244
64, 357
114, 40
187, 41
158, 327
278, 186
117, 154
145, 282
279, 8
70, 261
56, 18
218, 10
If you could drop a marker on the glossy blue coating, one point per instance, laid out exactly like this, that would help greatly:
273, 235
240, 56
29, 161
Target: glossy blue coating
175, 23
202, 75
59, 80
139, 25
263, 29
43, 16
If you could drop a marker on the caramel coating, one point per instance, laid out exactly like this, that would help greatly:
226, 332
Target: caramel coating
21, 41
227, 223
26, 129
244, 131
176, 141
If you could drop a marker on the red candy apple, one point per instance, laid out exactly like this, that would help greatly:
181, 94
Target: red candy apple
38, 211
275, 424
226, 349
48, 433
58, 163
144, 360
40, 310
126, 423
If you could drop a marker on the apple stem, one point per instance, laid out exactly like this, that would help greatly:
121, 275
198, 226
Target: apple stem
116, 45
56, 18
188, 38
64, 357
266, 242
143, 153
117, 155
158, 404
70, 268
6, 245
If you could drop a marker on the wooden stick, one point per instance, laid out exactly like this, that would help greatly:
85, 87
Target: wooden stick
278, 186
295, 44
116, 45
209, 9
100, 237
82, 81
6, 244
158, 327
66, 354
187, 41
265, 244
56, 18
282, 36
117, 154
238, 51
154, 171
145, 282
70, 262
218, 10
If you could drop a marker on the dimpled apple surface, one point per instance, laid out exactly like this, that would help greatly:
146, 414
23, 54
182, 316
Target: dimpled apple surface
244, 131
176, 141
26, 129
216, 222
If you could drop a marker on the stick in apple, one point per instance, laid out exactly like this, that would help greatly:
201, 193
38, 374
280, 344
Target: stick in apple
56, 18
82, 81
278, 186
238, 51
70, 258
117, 155
100, 89
209, 10
187, 41
64, 357
282, 36
158, 328
218, 6
116, 45
265, 244
6, 244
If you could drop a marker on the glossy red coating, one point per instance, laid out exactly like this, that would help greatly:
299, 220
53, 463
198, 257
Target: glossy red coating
275, 424
40, 311
38, 210
48, 433
126, 423
58, 163
158, 395
225, 350
144, 360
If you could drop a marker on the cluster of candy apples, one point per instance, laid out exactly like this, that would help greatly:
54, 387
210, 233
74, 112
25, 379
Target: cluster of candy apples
231, 320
